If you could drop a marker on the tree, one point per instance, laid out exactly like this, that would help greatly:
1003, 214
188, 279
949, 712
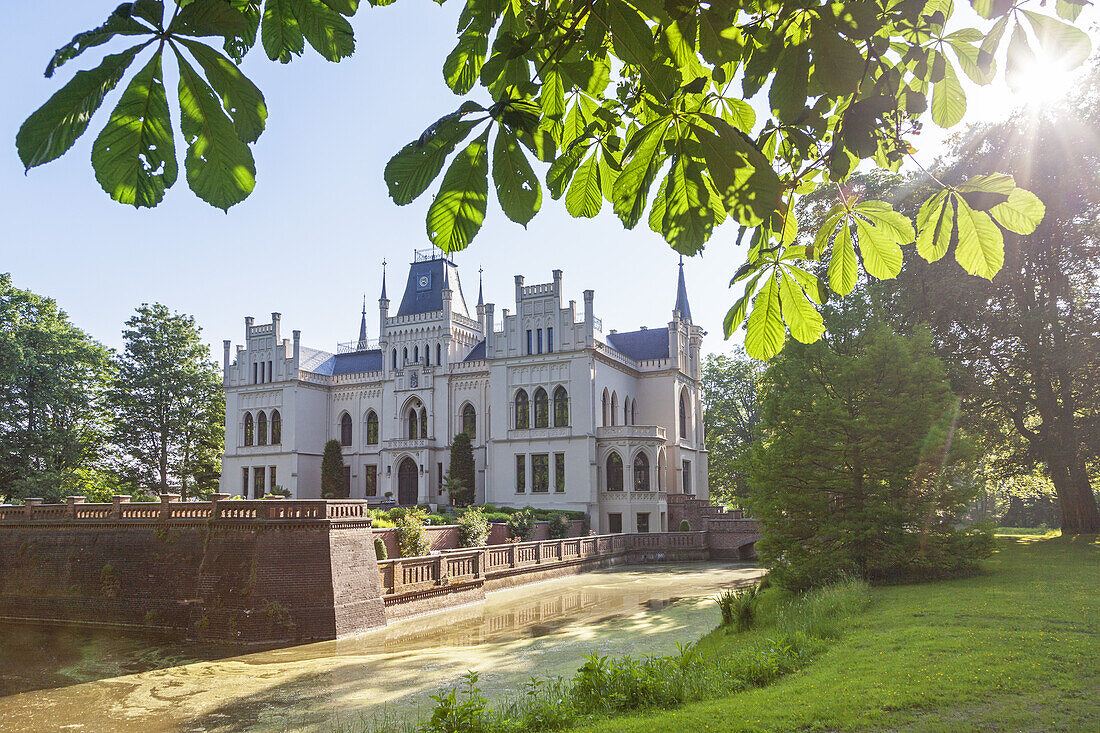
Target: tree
333, 485
168, 404
731, 412
53, 377
461, 472
852, 471
641, 104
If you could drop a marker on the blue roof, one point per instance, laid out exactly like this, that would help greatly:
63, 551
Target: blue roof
649, 343
424, 289
331, 365
477, 353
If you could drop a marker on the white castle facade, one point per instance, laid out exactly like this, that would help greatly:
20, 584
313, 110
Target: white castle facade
561, 414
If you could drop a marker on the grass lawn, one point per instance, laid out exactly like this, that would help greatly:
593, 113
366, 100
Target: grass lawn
1015, 649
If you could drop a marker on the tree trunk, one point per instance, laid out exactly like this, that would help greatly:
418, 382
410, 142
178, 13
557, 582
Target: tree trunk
1075, 498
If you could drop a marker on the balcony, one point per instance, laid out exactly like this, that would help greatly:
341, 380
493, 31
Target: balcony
631, 432
633, 497
408, 443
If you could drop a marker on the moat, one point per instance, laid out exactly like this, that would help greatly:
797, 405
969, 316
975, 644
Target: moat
99, 680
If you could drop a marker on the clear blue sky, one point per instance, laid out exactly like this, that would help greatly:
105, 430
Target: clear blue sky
310, 239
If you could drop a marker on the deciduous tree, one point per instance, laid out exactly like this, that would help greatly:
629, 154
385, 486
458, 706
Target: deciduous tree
333, 485
461, 471
731, 412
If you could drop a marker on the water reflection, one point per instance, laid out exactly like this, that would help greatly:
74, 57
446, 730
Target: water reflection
100, 681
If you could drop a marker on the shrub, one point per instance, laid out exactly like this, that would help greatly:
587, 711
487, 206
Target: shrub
559, 526
332, 471
496, 516
473, 528
380, 549
738, 607
412, 540
277, 490
685, 525
522, 523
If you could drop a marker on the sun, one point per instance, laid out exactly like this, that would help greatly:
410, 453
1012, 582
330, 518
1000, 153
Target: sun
1039, 82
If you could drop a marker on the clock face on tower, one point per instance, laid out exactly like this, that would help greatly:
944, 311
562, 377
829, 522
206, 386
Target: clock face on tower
424, 282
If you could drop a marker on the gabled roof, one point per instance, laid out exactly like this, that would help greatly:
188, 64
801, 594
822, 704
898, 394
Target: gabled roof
316, 361
477, 353
648, 343
419, 298
331, 365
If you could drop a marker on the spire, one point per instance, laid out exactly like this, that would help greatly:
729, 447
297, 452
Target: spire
682, 295
446, 277
480, 298
363, 326
384, 281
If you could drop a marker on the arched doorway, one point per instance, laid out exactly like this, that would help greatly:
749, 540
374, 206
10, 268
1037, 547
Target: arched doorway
406, 483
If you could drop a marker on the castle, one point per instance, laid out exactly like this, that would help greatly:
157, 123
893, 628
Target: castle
561, 414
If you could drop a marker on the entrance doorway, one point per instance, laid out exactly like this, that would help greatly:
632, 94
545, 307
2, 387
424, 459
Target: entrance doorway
406, 483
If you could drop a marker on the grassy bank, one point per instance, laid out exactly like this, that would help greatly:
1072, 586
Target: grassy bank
1017, 648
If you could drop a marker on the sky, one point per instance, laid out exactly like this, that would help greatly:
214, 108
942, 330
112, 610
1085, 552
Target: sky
310, 240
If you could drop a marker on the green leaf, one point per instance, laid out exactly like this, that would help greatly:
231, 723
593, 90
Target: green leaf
1020, 60
999, 183
632, 186
327, 31
631, 38
976, 63
883, 216
749, 186
789, 86
518, 189
1060, 40
935, 225
118, 23
563, 169
948, 99
55, 126
458, 210
584, 198
552, 96
220, 169
842, 264
134, 158
838, 64
688, 219
1069, 9
879, 250
765, 333
739, 113
240, 97
211, 18
463, 64
280, 33
799, 313
719, 41
411, 171
981, 248
1022, 213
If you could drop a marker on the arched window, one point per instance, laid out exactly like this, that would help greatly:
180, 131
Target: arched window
413, 423
614, 407
416, 354
614, 478
661, 471
523, 410
542, 408
561, 407
261, 428
405, 355
683, 415
345, 429
276, 428
394, 358
605, 422
634, 412
423, 422
372, 428
469, 421
626, 411
438, 355
249, 432
641, 472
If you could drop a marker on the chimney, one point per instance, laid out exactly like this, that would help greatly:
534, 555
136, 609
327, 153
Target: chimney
557, 284
490, 336
589, 324
297, 346
275, 318
248, 321
519, 290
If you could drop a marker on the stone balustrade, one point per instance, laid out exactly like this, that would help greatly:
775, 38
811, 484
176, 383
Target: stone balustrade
77, 509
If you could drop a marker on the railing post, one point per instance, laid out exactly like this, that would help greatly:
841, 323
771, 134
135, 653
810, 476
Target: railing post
28, 506
440, 570
165, 499
72, 501
116, 504
512, 555
480, 561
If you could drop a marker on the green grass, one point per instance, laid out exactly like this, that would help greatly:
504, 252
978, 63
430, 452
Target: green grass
1017, 648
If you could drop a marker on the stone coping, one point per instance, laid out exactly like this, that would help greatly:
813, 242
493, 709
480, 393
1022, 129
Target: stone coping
77, 510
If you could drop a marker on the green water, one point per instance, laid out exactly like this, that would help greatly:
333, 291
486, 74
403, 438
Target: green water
100, 681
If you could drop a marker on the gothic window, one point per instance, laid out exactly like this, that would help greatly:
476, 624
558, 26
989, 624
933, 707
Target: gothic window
394, 359
634, 412
427, 354
469, 421
405, 355
550, 341
523, 410
561, 408
261, 428
412, 421
661, 471
540, 341
605, 421
423, 422
542, 408
614, 472
276, 428
345, 429
416, 354
614, 407
372, 428
641, 472
529, 342
683, 415
626, 411
438, 355
249, 432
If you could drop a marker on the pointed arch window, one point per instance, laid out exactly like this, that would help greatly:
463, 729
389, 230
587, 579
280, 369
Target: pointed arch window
404, 355
249, 429
439, 355
372, 428
345, 429
413, 423
605, 421
523, 410
683, 415
423, 422
276, 428
626, 411
394, 359
561, 407
641, 472
261, 428
469, 421
614, 408
634, 412
614, 478
542, 408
